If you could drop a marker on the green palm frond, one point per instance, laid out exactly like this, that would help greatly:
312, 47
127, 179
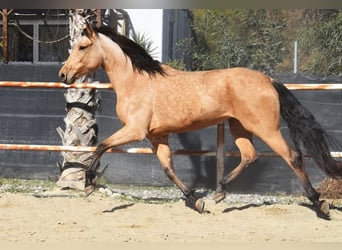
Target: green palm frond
144, 41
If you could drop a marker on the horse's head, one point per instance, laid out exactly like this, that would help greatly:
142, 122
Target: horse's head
85, 57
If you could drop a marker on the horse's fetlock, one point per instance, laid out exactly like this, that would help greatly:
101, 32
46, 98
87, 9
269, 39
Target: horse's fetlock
314, 197
100, 148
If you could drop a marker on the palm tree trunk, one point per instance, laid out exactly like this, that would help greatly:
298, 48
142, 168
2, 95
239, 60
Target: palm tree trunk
80, 124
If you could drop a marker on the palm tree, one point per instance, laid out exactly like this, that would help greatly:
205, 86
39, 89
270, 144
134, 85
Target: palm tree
80, 125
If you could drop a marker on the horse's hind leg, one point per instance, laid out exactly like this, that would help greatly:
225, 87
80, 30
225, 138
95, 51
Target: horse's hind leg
162, 149
243, 140
294, 159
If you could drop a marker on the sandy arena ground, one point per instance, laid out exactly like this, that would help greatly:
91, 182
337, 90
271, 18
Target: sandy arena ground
100, 218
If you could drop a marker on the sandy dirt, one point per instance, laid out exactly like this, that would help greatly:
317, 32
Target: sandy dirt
99, 218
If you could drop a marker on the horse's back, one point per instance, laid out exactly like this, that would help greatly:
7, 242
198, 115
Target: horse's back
184, 101
191, 100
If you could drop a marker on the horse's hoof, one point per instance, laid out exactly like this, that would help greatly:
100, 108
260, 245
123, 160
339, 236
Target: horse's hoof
324, 207
195, 204
89, 189
218, 197
199, 205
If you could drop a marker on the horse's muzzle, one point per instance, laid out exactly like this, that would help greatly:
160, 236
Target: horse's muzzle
65, 78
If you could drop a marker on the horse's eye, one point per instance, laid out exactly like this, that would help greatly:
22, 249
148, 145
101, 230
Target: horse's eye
82, 47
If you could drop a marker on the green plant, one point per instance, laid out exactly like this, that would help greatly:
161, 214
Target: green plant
145, 42
320, 41
236, 37
177, 64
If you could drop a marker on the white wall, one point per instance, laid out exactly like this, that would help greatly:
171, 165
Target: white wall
150, 23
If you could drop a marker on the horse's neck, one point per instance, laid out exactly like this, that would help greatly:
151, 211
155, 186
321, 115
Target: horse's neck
118, 74
116, 64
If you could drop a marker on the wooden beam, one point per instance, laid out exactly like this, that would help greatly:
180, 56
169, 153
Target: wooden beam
4, 35
220, 153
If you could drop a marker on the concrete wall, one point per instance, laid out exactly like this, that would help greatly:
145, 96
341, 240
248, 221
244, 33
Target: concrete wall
31, 116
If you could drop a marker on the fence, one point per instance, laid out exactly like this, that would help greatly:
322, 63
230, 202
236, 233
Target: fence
219, 153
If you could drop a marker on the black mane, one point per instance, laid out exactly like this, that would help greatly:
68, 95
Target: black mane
141, 60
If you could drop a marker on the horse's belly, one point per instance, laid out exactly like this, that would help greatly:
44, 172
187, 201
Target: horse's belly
183, 123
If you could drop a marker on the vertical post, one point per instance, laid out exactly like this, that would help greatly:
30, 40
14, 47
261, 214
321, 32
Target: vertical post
295, 58
220, 153
35, 44
5, 35
98, 18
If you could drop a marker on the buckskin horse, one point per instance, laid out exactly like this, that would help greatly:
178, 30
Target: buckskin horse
154, 100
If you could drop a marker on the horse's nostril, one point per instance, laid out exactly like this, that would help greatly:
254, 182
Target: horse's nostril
62, 76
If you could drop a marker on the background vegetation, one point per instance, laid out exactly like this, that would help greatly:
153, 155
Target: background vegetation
263, 39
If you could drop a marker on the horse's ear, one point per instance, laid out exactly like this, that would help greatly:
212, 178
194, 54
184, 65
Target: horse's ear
89, 31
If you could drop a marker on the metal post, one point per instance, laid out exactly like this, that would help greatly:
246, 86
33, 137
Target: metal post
220, 153
35, 44
295, 58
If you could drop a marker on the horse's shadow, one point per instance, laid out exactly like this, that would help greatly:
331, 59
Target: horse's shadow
118, 208
319, 214
247, 206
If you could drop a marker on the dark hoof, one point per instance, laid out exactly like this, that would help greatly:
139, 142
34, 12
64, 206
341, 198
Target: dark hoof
219, 196
324, 207
89, 189
90, 182
196, 204
199, 205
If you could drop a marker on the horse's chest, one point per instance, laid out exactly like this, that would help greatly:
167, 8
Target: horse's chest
133, 107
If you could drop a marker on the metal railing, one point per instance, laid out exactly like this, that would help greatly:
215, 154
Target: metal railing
219, 153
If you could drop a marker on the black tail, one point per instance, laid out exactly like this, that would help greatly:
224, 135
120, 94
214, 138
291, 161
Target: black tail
306, 130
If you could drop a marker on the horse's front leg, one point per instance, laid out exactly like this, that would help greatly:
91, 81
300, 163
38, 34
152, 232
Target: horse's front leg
123, 136
162, 149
